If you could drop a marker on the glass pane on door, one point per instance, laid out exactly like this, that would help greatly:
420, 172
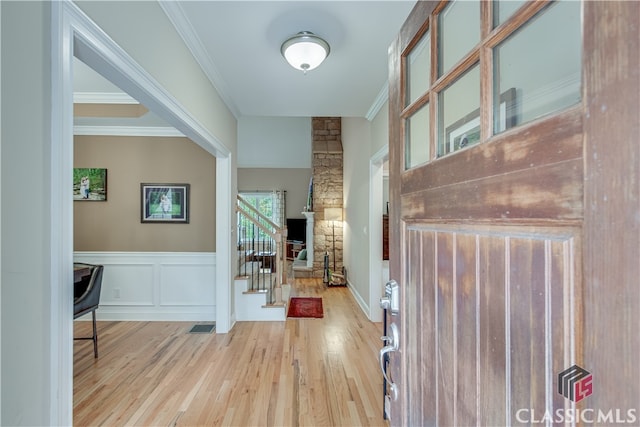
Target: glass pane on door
418, 69
417, 138
458, 32
459, 113
542, 64
503, 9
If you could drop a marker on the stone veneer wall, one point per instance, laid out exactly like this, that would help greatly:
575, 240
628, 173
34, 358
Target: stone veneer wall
327, 189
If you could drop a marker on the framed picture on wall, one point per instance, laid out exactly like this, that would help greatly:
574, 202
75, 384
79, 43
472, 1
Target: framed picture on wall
90, 184
167, 203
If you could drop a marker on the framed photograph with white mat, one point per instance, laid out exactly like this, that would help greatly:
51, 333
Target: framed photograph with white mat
168, 203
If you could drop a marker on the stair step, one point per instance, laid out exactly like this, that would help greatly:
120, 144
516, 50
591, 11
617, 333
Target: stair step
253, 305
256, 291
300, 271
274, 305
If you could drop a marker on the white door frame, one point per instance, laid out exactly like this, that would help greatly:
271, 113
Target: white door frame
375, 232
75, 34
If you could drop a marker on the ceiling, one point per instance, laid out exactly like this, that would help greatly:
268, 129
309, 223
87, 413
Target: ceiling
237, 43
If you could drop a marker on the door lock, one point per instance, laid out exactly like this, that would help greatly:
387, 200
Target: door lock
391, 299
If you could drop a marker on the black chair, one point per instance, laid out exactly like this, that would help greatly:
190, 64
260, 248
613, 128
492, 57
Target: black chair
86, 297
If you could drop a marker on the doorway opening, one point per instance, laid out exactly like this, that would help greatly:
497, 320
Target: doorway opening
378, 207
75, 35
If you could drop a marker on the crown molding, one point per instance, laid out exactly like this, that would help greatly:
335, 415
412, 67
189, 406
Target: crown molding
126, 131
183, 26
382, 97
103, 98
94, 47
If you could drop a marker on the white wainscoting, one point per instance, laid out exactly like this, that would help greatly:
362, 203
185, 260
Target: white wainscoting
167, 286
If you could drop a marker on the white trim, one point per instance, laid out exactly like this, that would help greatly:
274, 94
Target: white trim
95, 48
375, 233
356, 295
382, 97
183, 26
61, 219
127, 131
381, 155
155, 286
74, 33
0, 229
103, 98
310, 216
225, 235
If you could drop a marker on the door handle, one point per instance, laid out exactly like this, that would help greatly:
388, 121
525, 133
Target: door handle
392, 345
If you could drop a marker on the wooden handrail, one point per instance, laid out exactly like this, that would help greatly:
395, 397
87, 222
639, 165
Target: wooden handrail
278, 234
274, 235
257, 212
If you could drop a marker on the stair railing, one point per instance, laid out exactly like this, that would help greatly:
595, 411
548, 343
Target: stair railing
261, 240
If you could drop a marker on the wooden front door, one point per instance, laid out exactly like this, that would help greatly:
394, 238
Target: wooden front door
515, 202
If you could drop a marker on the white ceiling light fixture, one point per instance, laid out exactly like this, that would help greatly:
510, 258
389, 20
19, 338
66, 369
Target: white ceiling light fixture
305, 51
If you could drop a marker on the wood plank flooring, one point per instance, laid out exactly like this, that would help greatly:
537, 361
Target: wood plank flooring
301, 372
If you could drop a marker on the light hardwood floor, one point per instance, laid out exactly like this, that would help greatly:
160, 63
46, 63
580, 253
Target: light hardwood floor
301, 372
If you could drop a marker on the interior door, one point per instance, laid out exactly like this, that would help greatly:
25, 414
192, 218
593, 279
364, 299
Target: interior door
494, 145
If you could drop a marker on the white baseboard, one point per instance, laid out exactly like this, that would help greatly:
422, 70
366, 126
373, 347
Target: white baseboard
356, 295
162, 286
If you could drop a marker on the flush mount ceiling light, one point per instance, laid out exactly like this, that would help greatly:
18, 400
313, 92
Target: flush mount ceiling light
305, 51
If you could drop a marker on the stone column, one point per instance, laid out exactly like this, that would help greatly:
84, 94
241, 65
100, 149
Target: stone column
327, 189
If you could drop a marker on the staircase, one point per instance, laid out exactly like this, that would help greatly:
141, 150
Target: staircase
261, 289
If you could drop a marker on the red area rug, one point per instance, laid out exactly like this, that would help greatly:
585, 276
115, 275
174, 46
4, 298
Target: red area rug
305, 307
